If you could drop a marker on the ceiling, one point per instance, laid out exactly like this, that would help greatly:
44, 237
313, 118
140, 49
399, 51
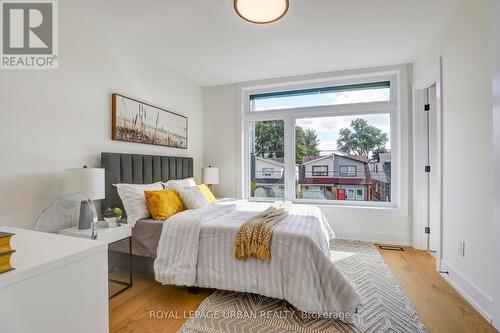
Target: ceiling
205, 41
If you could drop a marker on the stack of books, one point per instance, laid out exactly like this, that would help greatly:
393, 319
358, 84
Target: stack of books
5, 252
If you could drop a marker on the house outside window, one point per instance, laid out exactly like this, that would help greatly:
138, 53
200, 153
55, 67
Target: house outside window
266, 164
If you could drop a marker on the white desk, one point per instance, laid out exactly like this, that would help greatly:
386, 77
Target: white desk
59, 284
104, 234
109, 235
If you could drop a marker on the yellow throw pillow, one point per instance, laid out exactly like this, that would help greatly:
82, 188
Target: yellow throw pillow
164, 203
206, 193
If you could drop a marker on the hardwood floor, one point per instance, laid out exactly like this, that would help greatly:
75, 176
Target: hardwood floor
151, 307
441, 307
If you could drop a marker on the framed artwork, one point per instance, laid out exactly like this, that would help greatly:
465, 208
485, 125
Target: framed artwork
136, 121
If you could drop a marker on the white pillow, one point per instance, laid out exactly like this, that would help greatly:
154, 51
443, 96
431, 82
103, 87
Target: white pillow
192, 197
180, 183
133, 199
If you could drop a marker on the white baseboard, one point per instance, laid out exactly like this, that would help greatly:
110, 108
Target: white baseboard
475, 296
375, 237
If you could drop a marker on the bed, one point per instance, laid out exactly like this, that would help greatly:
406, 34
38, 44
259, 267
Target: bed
141, 169
195, 247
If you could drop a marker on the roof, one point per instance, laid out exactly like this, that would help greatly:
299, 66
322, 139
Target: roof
382, 157
308, 159
274, 160
277, 159
359, 158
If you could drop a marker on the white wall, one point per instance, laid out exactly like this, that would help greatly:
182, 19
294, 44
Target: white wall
52, 120
220, 111
496, 147
465, 45
220, 136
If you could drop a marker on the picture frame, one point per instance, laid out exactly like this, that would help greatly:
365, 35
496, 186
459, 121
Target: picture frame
140, 122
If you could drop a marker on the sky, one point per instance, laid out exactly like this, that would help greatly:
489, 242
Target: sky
332, 98
328, 128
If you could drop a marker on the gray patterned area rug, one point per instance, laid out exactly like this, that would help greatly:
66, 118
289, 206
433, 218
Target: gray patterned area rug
386, 308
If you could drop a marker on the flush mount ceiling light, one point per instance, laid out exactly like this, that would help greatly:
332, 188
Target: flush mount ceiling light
261, 11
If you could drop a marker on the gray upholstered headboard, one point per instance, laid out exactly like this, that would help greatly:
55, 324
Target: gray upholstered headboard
140, 169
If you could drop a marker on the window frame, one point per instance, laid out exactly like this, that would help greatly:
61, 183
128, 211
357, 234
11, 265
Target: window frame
319, 173
318, 90
397, 107
347, 174
362, 194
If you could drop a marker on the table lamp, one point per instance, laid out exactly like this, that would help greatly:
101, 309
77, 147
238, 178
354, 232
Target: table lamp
89, 182
210, 176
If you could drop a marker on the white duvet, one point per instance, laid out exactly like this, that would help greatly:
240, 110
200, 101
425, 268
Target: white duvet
196, 248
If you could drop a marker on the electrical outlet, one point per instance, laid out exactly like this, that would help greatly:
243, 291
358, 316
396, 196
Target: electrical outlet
461, 248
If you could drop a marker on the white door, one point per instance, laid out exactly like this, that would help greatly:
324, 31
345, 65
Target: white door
350, 194
496, 143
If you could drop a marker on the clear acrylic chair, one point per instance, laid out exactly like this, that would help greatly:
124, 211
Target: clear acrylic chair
70, 211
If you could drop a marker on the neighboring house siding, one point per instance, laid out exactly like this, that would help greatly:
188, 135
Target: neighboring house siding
343, 161
334, 162
381, 177
379, 170
262, 166
268, 171
355, 186
321, 162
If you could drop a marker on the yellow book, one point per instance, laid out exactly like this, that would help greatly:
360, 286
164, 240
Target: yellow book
5, 261
5, 242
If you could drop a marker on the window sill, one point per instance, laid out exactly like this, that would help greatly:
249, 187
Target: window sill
361, 207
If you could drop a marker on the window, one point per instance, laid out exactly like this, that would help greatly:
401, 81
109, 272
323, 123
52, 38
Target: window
348, 94
320, 170
267, 159
267, 172
359, 194
324, 141
328, 157
348, 171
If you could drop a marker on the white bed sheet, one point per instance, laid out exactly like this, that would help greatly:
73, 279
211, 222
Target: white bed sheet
196, 248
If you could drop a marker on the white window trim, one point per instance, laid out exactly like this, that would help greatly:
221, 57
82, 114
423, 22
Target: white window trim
397, 107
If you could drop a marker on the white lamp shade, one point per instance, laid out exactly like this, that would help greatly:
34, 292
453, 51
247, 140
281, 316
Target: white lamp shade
88, 181
210, 175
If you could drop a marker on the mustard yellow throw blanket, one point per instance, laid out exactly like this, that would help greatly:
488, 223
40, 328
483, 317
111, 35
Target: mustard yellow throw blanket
254, 236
